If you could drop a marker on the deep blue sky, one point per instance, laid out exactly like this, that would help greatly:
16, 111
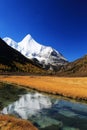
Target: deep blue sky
61, 24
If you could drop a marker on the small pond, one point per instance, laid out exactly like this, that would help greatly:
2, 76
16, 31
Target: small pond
48, 112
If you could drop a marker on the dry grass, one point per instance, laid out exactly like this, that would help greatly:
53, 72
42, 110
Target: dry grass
11, 123
69, 87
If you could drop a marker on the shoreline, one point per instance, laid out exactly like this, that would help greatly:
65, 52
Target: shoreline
73, 88
9, 122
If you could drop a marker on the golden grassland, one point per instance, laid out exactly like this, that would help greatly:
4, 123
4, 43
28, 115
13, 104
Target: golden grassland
69, 87
11, 123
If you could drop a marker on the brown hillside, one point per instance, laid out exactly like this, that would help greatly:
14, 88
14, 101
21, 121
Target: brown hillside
13, 61
76, 68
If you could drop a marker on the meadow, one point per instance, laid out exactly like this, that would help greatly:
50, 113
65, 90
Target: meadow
71, 87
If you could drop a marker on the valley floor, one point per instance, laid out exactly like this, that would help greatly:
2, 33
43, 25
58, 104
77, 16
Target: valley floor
75, 88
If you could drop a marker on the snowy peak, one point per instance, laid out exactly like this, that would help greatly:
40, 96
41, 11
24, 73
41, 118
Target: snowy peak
10, 42
28, 46
27, 38
45, 55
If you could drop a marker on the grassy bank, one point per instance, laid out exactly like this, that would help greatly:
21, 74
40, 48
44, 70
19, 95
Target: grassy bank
12, 123
75, 88
9, 93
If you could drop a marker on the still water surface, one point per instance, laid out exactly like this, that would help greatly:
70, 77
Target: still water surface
49, 112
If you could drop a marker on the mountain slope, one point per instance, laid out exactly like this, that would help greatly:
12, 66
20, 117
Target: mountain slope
12, 60
45, 55
76, 68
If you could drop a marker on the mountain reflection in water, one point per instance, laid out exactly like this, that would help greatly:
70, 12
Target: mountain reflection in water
49, 113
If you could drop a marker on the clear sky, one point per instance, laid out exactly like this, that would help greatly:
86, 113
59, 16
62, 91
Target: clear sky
61, 24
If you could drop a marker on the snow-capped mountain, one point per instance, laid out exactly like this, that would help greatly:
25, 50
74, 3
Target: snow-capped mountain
44, 55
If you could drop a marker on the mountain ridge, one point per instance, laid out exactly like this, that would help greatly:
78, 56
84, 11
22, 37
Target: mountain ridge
45, 55
12, 60
75, 68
